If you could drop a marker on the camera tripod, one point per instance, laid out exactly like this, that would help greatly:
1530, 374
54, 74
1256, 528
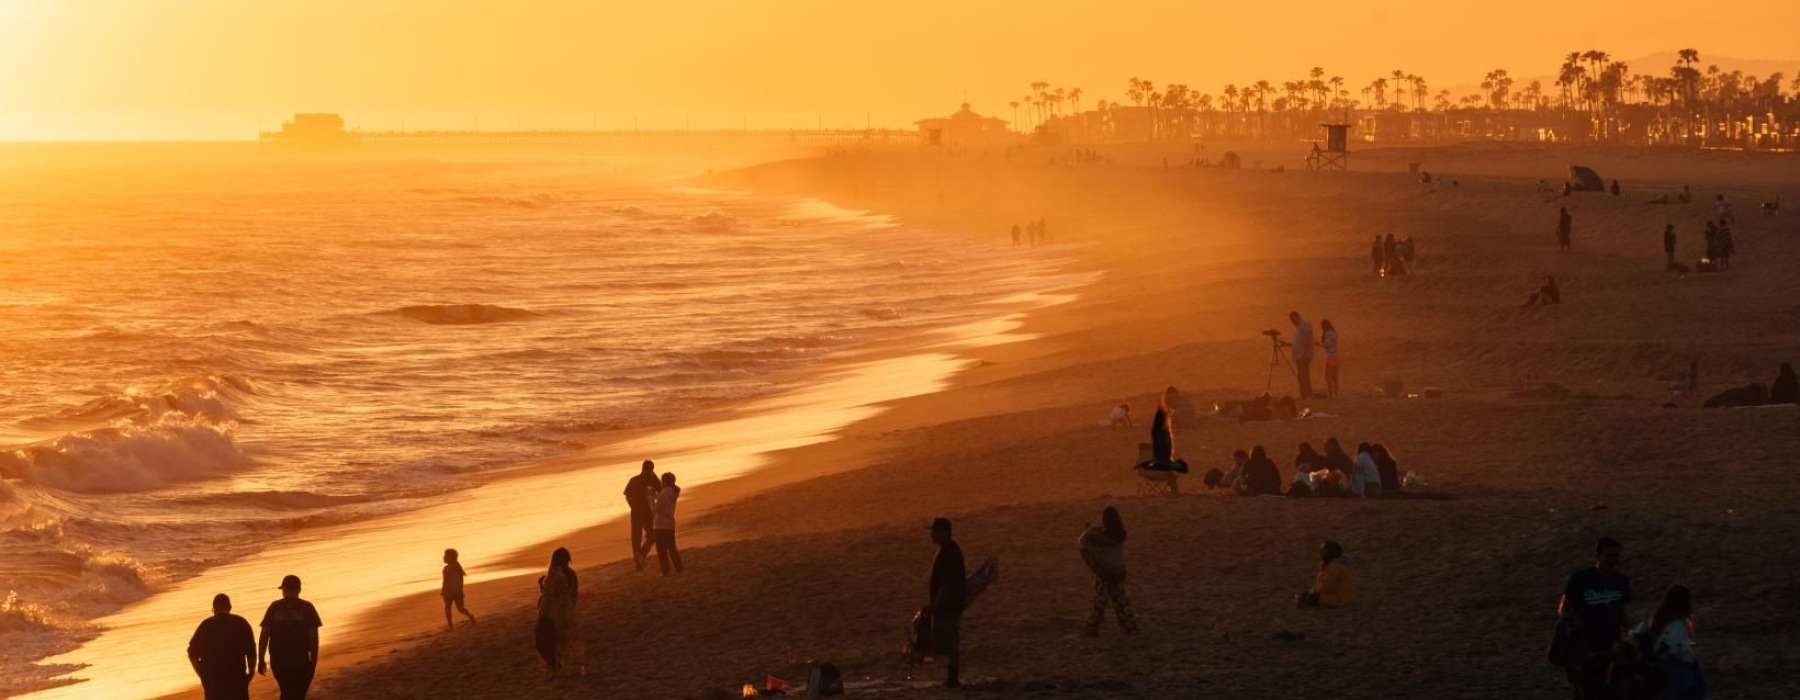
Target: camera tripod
1278, 359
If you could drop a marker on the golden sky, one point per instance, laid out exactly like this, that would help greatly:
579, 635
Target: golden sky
131, 69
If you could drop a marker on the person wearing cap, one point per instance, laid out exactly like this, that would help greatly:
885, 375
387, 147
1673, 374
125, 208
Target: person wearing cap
290, 641
949, 581
1333, 588
223, 652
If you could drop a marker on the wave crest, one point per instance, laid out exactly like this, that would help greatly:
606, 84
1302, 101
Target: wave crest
129, 456
463, 314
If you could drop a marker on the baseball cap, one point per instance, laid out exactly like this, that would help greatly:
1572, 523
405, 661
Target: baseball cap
290, 581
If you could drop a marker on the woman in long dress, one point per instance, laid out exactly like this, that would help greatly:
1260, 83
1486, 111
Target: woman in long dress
558, 608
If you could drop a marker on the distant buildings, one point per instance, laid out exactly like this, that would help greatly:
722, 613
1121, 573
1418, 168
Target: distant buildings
314, 132
963, 129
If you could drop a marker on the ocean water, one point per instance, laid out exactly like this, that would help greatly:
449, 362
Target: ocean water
204, 351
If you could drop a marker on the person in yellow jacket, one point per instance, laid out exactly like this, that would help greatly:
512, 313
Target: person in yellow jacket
1334, 587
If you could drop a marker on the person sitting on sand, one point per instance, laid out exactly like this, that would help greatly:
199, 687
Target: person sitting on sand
1333, 587
1546, 294
1121, 416
1337, 461
453, 588
1388, 468
1261, 476
1103, 550
1365, 482
1786, 388
1230, 479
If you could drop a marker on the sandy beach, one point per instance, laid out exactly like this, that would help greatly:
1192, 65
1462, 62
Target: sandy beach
1553, 431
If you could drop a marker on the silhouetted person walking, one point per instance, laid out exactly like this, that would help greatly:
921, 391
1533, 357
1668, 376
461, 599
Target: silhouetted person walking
1103, 550
1593, 605
1328, 339
948, 590
1565, 225
1669, 242
1302, 352
290, 641
557, 607
1375, 255
223, 652
662, 505
452, 590
637, 496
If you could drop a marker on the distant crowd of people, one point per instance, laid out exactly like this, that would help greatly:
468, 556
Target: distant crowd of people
1035, 232
1390, 257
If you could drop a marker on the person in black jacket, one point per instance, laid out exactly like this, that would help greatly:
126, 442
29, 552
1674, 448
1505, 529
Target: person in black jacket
1261, 476
948, 589
637, 496
223, 652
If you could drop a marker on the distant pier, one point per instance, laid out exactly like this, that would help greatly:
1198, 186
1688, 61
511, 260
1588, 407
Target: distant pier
326, 132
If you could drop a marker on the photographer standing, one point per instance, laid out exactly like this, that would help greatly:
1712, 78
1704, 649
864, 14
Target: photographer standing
1303, 352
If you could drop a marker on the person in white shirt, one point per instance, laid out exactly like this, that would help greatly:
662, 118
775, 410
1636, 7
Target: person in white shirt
1121, 416
1366, 482
1669, 637
662, 508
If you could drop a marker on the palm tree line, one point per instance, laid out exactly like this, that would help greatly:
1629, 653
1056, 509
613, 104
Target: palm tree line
1592, 98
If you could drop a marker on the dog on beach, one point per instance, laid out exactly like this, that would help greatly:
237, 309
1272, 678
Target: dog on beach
1772, 208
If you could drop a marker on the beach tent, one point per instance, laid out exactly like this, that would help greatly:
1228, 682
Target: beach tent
1584, 179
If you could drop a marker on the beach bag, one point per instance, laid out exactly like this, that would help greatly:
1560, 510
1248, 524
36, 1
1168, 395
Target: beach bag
918, 636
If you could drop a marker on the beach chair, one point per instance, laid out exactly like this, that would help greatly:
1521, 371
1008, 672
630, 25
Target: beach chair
1149, 482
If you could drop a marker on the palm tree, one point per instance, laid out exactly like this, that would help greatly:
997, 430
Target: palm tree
1015, 105
1075, 96
1498, 85
1399, 93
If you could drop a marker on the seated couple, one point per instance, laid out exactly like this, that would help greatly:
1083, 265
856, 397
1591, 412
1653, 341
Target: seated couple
1252, 474
1261, 408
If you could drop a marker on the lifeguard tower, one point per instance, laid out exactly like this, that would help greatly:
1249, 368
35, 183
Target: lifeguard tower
1336, 153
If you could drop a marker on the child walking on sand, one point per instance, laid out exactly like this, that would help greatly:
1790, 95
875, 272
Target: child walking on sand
453, 588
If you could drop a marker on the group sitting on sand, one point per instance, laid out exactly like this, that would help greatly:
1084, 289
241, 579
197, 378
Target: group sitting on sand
1372, 473
1784, 390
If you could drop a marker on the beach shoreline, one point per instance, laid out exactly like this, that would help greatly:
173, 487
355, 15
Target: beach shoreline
1186, 271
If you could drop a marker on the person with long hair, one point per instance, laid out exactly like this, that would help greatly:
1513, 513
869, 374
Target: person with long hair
1668, 640
1388, 468
1261, 477
1786, 388
1162, 443
1103, 549
1333, 587
1328, 339
561, 587
662, 508
1365, 481
1341, 467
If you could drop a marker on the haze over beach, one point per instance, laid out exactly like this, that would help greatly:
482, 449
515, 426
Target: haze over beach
913, 342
